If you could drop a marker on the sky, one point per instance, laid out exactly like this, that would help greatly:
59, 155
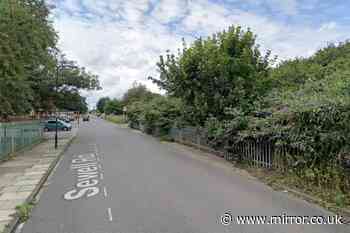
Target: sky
121, 40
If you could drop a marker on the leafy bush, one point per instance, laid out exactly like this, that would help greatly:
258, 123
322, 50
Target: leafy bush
229, 88
223, 71
134, 111
160, 114
114, 106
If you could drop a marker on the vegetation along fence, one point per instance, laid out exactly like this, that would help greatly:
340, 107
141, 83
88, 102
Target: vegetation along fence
255, 152
16, 136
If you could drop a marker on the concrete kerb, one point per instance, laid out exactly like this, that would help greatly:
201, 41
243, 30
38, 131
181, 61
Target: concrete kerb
16, 221
342, 211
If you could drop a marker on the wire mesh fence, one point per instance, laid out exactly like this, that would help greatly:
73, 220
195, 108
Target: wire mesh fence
16, 136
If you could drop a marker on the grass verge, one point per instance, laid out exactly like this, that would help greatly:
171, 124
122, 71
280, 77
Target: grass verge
117, 119
327, 198
24, 211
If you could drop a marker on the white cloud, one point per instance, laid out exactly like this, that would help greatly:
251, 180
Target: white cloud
169, 10
118, 52
283, 39
72, 6
328, 26
122, 44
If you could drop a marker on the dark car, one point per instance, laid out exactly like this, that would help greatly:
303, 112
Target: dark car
61, 125
86, 118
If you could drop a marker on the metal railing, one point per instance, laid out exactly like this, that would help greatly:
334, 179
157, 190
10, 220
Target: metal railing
18, 135
257, 153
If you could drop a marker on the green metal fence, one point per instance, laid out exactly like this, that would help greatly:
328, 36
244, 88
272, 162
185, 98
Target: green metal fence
16, 136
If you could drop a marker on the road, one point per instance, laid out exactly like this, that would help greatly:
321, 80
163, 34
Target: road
116, 180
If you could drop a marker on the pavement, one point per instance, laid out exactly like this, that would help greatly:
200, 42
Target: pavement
116, 180
21, 176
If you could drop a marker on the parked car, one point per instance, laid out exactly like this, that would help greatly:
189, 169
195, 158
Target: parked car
65, 119
86, 118
61, 125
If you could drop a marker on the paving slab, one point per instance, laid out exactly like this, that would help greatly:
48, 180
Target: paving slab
30, 172
26, 188
10, 204
17, 164
6, 215
14, 196
26, 182
21, 175
9, 189
29, 177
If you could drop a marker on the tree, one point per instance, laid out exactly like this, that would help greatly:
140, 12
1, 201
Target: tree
114, 106
72, 101
137, 92
225, 70
29, 58
101, 103
159, 113
26, 36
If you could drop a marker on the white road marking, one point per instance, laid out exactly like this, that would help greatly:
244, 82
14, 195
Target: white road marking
110, 217
101, 176
96, 149
85, 168
100, 166
105, 191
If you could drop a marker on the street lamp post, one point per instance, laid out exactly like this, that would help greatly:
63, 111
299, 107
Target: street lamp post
56, 126
56, 112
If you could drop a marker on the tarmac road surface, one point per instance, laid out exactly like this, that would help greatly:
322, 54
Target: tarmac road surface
116, 180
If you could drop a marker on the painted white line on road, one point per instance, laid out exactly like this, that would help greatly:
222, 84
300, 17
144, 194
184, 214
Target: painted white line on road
110, 217
105, 191
101, 176
100, 166
96, 149
85, 168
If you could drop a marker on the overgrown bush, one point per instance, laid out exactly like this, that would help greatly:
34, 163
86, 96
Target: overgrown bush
134, 111
226, 70
160, 114
156, 116
228, 88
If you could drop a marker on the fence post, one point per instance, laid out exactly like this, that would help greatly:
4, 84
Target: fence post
13, 146
198, 135
23, 138
180, 135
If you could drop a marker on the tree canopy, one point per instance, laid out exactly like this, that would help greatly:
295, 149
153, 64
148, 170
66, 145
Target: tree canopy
101, 104
224, 70
136, 93
114, 106
29, 59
